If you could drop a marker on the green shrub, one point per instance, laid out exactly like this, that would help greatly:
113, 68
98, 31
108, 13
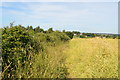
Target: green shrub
51, 38
38, 29
82, 36
17, 47
25, 53
50, 30
59, 36
70, 34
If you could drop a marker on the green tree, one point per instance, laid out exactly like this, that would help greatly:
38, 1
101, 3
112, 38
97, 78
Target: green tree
38, 29
70, 34
29, 28
63, 31
76, 32
50, 30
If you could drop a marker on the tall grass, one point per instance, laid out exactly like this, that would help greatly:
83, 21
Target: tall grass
47, 64
28, 55
92, 58
50, 64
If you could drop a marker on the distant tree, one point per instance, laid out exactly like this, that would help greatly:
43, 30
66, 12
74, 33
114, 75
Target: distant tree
12, 23
76, 32
95, 35
38, 29
57, 31
50, 30
89, 35
114, 36
82, 36
70, 34
29, 28
63, 31
22, 27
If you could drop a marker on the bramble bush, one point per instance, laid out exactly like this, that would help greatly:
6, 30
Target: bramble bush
25, 53
59, 36
51, 38
17, 47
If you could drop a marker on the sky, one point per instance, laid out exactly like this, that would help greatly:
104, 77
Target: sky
59, 0
100, 17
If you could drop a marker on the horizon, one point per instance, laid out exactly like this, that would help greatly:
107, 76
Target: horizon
90, 17
64, 29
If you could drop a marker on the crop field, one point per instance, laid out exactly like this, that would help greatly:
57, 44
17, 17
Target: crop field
92, 58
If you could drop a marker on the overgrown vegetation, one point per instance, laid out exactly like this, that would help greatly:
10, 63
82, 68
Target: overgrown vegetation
25, 53
92, 58
29, 52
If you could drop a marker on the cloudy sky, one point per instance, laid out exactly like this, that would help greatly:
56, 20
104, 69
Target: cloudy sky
80, 16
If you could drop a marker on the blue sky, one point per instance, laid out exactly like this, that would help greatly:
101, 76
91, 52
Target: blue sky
80, 16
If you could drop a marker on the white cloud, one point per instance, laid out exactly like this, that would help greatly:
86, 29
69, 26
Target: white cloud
45, 7
63, 14
49, 13
53, 13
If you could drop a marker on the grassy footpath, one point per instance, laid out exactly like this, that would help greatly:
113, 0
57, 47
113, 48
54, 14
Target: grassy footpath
92, 58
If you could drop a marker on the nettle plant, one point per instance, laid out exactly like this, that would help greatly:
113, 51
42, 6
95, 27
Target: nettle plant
17, 48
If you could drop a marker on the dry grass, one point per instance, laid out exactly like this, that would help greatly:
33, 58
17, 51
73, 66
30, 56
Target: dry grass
50, 63
92, 58
84, 58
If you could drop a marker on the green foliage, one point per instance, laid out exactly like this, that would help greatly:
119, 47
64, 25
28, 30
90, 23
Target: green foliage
50, 63
82, 36
38, 29
23, 48
70, 34
29, 28
51, 38
76, 32
90, 35
35, 53
17, 47
50, 30
63, 31
87, 35
59, 36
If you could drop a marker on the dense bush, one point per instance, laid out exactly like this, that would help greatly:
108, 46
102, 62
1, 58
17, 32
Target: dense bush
51, 38
17, 48
25, 53
59, 36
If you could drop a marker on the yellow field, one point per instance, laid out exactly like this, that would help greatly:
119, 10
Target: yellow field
92, 58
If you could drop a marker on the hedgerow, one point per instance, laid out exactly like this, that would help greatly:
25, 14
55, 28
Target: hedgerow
17, 47
24, 52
